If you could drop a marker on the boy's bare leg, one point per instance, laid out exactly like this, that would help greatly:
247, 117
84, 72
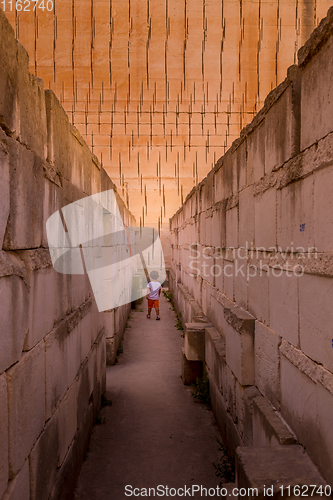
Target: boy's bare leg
157, 309
149, 311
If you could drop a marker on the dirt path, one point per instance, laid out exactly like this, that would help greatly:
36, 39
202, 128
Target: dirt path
154, 433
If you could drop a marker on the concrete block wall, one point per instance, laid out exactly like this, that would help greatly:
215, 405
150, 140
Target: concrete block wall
53, 339
252, 247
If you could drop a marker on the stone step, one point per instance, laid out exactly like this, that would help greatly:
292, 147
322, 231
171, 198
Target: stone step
282, 469
195, 341
268, 427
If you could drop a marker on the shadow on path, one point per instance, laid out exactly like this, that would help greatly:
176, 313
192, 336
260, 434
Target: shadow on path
154, 433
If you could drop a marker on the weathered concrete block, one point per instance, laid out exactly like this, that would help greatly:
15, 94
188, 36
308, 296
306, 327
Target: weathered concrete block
316, 317
206, 193
19, 487
323, 207
60, 151
207, 269
232, 228
92, 180
109, 324
279, 125
101, 360
228, 278
71, 293
32, 114
205, 297
240, 409
216, 314
239, 319
228, 171
4, 187
22, 108
120, 320
317, 95
248, 396
240, 344
111, 351
295, 216
256, 154
268, 428
92, 367
69, 471
215, 355
229, 390
299, 401
9, 75
67, 421
246, 217
195, 341
85, 173
56, 367
26, 403
258, 303
223, 418
191, 370
241, 166
265, 219
85, 387
4, 467
42, 312
25, 223
63, 359
202, 230
240, 282
14, 306
283, 305
324, 440
53, 198
79, 290
219, 227
87, 330
307, 404
44, 460
218, 185
267, 363
263, 466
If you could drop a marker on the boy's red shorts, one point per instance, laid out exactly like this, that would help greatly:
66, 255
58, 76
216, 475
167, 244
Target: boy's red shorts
153, 303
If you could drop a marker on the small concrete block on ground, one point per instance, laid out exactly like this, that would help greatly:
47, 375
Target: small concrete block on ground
195, 341
191, 370
275, 466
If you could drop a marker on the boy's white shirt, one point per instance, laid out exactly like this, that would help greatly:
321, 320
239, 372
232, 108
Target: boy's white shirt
154, 287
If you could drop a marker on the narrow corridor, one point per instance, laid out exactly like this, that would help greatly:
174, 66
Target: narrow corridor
154, 433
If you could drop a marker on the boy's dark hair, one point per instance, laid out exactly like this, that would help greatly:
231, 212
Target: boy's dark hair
154, 275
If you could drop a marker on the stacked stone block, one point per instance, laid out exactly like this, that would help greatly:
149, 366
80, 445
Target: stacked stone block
264, 215
53, 351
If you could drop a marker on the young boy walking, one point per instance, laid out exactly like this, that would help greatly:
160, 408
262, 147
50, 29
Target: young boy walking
153, 295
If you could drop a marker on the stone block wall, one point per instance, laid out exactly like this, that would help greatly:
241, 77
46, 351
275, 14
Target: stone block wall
53, 339
252, 247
